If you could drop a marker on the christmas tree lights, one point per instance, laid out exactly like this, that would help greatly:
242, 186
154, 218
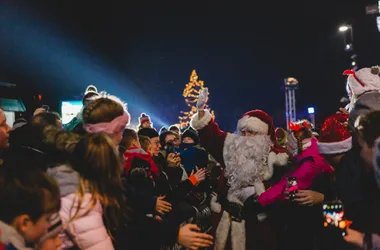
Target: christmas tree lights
190, 93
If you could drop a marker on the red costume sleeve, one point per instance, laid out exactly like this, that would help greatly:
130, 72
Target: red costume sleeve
212, 139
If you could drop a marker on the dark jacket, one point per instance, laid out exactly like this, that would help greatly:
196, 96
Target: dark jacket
142, 232
193, 155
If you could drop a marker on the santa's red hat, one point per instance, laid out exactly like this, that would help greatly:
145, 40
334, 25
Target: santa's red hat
144, 118
335, 138
257, 121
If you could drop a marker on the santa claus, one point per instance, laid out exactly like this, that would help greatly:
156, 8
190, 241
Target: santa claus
249, 157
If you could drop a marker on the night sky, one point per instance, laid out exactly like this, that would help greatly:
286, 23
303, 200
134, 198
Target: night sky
145, 52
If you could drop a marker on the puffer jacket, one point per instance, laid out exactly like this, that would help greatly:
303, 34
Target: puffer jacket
87, 230
310, 164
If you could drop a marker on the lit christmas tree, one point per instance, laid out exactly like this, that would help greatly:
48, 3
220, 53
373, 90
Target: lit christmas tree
190, 93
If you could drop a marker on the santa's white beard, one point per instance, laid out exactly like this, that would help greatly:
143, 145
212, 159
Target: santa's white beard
246, 160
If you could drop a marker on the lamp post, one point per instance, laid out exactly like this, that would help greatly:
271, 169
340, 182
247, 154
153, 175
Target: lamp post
348, 39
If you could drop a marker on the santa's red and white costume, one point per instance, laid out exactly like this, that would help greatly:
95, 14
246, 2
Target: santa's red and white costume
248, 161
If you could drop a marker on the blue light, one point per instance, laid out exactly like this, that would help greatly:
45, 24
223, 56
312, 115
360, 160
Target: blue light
310, 110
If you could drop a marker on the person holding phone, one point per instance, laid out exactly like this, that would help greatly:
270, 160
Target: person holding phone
303, 147
302, 224
368, 133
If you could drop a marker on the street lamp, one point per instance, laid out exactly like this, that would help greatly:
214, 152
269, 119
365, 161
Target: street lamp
348, 39
344, 28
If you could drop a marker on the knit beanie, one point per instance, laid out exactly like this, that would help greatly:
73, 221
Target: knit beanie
163, 130
91, 91
149, 132
191, 133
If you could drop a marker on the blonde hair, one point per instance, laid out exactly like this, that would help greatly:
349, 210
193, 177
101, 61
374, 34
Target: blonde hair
144, 142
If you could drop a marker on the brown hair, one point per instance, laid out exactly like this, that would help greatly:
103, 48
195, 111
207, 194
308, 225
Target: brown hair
367, 127
98, 165
27, 192
103, 109
145, 142
128, 136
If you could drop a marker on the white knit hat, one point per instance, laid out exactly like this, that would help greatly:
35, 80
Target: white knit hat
365, 79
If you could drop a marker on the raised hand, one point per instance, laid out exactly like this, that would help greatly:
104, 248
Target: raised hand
202, 99
200, 175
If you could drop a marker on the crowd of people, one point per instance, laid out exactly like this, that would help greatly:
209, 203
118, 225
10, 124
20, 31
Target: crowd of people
95, 183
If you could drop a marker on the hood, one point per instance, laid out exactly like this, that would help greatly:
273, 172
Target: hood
9, 236
66, 177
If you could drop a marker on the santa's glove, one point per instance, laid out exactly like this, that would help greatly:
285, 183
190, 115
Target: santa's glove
253, 204
214, 204
202, 99
245, 193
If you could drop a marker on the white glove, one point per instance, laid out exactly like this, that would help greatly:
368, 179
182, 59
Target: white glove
245, 193
202, 99
214, 205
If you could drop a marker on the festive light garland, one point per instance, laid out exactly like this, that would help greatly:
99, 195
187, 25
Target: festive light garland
190, 93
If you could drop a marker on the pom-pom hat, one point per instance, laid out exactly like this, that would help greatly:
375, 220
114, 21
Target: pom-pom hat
335, 138
144, 118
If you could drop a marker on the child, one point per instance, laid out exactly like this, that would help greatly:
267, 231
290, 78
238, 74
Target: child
192, 154
304, 149
145, 144
91, 191
27, 201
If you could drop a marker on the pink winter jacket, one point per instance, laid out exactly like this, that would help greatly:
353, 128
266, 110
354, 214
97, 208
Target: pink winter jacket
87, 231
305, 174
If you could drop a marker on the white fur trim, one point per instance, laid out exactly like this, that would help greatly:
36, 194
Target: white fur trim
329, 148
262, 216
259, 186
214, 205
245, 193
197, 123
282, 159
253, 124
222, 231
272, 159
238, 236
